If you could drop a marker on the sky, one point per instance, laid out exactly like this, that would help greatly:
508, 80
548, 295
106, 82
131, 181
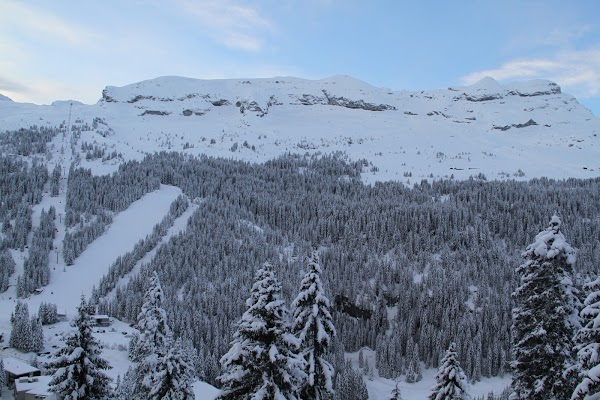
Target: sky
58, 49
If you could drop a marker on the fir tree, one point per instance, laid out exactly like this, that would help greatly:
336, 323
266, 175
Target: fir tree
48, 313
37, 334
125, 388
452, 383
545, 318
349, 385
413, 373
20, 336
170, 373
164, 371
587, 342
2, 376
77, 370
396, 393
152, 322
313, 325
263, 362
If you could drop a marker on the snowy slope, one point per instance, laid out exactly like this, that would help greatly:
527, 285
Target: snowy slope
68, 283
485, 128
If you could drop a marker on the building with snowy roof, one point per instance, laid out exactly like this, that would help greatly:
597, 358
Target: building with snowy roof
16, 369
32, 388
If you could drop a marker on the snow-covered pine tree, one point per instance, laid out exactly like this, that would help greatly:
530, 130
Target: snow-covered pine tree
125, 388
361, 360
263, 361
172, 374
77, 368
349, 385
2, 375
48, 313
396, 395
413, 372
152, 322
545, 318
37, 334
313, 325
587, 342
20, 336
164, 371
452, 383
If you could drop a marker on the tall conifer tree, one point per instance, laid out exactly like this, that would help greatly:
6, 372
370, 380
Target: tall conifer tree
263, 361
451, 380
588, 345
163, 372
313, 325
77, 370
545, 318
152, 322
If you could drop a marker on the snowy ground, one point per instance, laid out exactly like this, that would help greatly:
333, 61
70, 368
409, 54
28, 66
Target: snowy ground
115, 340
381, 388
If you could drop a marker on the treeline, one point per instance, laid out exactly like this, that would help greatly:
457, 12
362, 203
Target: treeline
427, 265
21, 187
26, 142
7, 268
92, 201
27, 333
37, 265
94, 152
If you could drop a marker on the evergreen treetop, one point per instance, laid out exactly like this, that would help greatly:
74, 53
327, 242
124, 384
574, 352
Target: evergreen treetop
452, 383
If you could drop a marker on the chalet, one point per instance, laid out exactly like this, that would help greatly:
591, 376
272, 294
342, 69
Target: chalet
33, 388
62, 315
101, 320
16, 369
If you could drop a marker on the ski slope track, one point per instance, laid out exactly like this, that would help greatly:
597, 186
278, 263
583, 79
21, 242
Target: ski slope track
68, 283
517, 131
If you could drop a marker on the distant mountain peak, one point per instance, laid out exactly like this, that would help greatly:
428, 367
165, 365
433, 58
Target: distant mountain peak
487, 83
4, 98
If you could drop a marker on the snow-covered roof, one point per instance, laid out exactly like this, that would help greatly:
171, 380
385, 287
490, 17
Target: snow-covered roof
36, 386
100, 317
18, 367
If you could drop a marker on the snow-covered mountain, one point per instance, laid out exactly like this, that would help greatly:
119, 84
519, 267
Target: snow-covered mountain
519, 131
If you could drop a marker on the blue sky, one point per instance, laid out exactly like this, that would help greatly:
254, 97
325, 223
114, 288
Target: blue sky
71, 50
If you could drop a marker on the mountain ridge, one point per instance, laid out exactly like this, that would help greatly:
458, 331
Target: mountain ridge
490, 129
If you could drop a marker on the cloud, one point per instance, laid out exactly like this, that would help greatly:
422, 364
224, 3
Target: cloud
40, 24
44, 91
578, 72
9, 85
566, 36
231, 23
